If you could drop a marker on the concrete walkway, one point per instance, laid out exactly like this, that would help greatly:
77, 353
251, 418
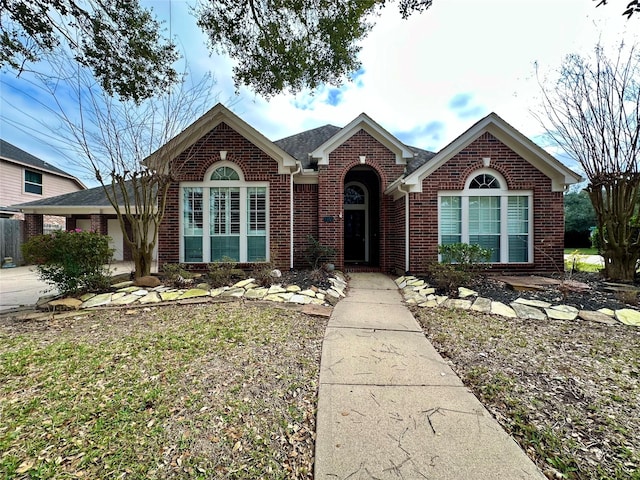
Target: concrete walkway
390, 407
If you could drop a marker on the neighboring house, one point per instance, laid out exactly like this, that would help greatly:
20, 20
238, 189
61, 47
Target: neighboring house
24, 178
381, 204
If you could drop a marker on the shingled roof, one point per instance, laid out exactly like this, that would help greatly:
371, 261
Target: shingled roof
300, 145
14, 154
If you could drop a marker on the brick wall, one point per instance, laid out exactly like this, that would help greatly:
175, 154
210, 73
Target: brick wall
256, 166
548, 211
305, 221
330, 191
33, 225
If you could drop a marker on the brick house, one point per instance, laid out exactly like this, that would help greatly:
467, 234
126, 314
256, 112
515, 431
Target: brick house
381, 204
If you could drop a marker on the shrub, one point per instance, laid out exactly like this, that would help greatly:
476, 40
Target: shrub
224, 272
460, 262
73, 261
317, 254
176, 274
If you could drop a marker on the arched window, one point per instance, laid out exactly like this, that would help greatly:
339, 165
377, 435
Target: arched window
224, 217
354, 195
484, 180
486, 213
225, 173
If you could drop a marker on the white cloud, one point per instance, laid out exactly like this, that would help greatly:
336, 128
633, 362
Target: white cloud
416, 73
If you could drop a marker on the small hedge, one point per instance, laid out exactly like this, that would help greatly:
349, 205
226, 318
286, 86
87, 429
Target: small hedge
74, 261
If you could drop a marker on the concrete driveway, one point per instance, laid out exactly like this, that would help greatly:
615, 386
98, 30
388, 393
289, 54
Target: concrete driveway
21, 287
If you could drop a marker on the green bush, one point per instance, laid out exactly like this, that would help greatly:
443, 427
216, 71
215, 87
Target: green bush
318, 254
224, 273
73, 261
460, 262
175, 274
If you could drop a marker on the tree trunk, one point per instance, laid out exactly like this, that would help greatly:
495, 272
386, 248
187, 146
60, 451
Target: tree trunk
143, 258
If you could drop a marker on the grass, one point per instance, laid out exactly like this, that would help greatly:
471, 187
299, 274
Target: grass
566, 391
224, 391
581, 251
575, 260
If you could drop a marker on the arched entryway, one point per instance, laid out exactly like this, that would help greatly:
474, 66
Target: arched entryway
362, 217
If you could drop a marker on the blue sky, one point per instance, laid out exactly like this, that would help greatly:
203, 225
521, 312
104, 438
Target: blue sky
426, 79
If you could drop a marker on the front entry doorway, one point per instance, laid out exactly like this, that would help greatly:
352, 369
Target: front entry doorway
361, 217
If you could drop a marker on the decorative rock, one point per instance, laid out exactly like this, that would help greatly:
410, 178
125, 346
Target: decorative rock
203, 286
482, 305
255, 293
499, 308
415, 282
400, 280
274, 298
293, 288
195, 292
339, 292
429, 303
599, 317
87, 296
440, 299
276, 273
308, 293
243, 283
286, 296
169, 296
128, 289
126, 300
98, 300
566, 308
301, 299
118, 295
532, 303
147, 281
140, 293
217, 291
320, 296
233, 292
466, 292
607, 311
426, 291
332, 297
273, 289
458, 303
116, 286
151, 297
628, 316
527, 311
67, 303
556, 314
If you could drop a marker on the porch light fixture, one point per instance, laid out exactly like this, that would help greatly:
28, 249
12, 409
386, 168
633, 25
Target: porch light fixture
486, 161
363, 159
223, 155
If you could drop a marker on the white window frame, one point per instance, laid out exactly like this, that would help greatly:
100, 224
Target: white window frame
504, 195
26, 182
206, 186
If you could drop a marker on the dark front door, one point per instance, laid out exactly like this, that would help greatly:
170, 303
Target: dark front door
354, 236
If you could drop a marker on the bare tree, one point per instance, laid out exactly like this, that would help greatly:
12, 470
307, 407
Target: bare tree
593, 113
125, 145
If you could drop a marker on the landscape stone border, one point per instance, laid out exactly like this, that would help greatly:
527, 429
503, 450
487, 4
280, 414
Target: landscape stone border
128, 294
418, 293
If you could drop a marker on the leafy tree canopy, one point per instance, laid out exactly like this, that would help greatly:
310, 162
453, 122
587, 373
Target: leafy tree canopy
117, 39
278, 45
579, 215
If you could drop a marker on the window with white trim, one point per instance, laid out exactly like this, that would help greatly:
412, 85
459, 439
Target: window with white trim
32, 182
236, 224
486, 213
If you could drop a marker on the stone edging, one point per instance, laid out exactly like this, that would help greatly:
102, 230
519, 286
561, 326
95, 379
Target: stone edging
127, 294
418, 293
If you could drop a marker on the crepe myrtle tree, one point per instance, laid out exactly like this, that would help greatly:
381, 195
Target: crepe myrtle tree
592, 112
127, 146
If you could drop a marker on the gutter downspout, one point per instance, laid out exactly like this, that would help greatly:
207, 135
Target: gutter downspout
298, 170
406, 226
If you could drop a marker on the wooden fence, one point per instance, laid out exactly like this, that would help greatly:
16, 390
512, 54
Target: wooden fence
11, 239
